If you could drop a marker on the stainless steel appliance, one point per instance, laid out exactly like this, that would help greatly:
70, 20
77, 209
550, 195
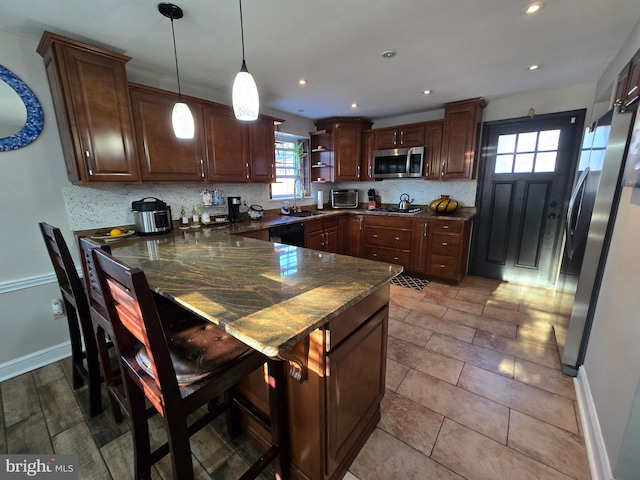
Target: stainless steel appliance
151, 216
398, 162
590, 220
347, 198
234, 209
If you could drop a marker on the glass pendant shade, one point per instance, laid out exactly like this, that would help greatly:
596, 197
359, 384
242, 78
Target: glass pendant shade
246, 102
182, 120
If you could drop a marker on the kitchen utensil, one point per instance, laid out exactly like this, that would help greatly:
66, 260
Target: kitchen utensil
405, 202
255, 212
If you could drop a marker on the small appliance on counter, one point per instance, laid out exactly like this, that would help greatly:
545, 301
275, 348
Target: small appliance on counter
347, 198
234, 209
151, 216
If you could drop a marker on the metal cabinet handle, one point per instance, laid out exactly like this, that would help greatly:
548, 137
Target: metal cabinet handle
444, 244
375, 236
443, 266
358, 171
395, 137
442, 172
87, 157
360, 222
374, 255
397, 238
202, 168
246, 166
424, 229
401, 136
395, 258
445, 227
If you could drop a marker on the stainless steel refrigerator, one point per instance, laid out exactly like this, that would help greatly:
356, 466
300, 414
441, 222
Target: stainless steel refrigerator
590, 219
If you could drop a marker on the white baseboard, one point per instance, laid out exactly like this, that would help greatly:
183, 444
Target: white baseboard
34, 360
594, 442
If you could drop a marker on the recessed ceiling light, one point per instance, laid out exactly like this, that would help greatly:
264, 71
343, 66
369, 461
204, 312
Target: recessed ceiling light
389, 54
302, 81
426, 92
354, 105
533, 67
533, 8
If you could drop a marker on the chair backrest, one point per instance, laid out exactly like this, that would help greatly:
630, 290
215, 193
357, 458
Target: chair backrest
65, 269
136, 323
91, 282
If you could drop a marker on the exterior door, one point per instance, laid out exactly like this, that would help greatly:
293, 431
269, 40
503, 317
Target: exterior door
527, 170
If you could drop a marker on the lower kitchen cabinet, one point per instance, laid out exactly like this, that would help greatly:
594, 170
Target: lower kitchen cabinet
448, 246
322, 234
388, 239
352, 243
334, 410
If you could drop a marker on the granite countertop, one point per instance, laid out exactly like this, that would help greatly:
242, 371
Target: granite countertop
267, 295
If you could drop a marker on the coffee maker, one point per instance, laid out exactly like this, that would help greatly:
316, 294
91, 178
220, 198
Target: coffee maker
234, 209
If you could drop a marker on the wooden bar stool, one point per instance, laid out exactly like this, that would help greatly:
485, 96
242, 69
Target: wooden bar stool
180, 368
78, 317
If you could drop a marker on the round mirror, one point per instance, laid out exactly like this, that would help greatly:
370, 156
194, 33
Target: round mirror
21, 116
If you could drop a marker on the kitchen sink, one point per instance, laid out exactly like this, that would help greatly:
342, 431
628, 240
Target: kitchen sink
305, 213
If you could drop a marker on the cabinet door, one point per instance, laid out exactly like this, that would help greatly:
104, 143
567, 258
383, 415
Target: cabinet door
314, 234
93, 109
386, 138
163, 157
368, 146
412, 135
227, 146
419, 246
633, 82
331, 229
461, 125
621, 86
262, 151
354, 386
354, 242
347, 151
433, 147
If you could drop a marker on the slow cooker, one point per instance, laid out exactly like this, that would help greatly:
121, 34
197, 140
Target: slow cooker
151, 216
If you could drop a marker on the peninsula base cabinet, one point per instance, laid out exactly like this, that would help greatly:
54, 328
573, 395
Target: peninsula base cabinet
334, 411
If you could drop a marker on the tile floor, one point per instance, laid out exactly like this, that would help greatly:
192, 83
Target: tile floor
474, 391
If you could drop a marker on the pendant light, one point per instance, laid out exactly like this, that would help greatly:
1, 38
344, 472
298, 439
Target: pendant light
246, 102
181, 117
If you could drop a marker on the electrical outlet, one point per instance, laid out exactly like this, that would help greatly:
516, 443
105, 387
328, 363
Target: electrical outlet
57, 309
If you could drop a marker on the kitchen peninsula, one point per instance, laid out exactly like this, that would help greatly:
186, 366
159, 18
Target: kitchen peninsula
325, 314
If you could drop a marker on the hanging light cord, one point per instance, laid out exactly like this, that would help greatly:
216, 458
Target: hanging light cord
242, 32
175, 55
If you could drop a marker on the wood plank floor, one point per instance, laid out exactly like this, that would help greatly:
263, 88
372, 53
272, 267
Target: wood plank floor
474, 391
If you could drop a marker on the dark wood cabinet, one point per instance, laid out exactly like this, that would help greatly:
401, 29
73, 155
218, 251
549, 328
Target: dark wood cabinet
262, 150
163, 157
353, 241
388, 239
341, 142
368, 147
433, 149
448, 249
93, 110
628, 86
322, 234
420, 246
411, 135
333, 412
462, 122
227, 146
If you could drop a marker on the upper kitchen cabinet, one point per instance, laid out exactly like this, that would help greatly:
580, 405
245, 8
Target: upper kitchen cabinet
368, 146
462, 121
337, 143
238, 151
433, 148
412, 135
93, 110
628, 87
163, 157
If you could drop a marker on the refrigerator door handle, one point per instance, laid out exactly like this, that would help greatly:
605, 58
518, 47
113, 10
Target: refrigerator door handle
572, 220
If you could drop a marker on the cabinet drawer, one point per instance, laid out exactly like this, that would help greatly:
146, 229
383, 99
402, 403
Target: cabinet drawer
390, 255
391, 222
388, 237
443, 266
447, 245
446, 226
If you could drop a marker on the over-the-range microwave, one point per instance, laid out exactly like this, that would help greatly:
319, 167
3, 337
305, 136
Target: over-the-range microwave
398, 162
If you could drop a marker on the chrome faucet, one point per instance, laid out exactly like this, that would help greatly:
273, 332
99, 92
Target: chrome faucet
295, 183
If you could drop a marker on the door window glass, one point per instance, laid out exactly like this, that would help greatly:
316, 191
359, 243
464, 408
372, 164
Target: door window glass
527, 152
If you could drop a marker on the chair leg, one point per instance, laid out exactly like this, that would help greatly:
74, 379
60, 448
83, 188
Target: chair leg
233, 414
93, 373
179, 447
77, 355
107, 370
279, 412
140, 431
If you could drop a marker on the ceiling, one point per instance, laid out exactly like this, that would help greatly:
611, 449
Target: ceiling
457, 48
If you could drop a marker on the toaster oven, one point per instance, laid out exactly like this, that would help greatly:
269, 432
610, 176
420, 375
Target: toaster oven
347, 198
